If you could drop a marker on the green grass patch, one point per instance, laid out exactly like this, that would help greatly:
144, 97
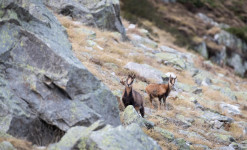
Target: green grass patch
240, 32
199, 3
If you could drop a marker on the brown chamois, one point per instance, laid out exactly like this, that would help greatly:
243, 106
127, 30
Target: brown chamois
132, 97
160, 91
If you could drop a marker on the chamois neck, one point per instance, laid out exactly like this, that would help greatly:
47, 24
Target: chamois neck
128, 90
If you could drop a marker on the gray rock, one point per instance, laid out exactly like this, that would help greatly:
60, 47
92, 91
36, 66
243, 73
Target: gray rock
206, 19
168, 49
236, 61
230, 41
182, 144
43, 85
104, 14
197, 91
144, 31
145, 71
203, 78
184, 119
198, 105
138, 40
231, 109
191, 134
107, 138
90, 35
73, 135
210, 21
244, 145
201, 147
6, 146
173, 59
184, 87
202, 49
131, 116
235, 146
224, 148
212, 116
168, 136
216, 124
223, 139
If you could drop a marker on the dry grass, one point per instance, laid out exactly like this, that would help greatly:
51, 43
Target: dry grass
18, 143
213, 31
214, 95
237, 131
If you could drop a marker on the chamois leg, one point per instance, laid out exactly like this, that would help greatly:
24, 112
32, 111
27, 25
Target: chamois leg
142, 111
151, 100
164, 99
137, 108
160, 108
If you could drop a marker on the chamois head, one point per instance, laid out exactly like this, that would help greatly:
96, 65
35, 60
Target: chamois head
171, 81
129, 81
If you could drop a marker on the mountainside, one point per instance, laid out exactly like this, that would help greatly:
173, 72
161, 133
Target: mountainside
62, 63
215, 29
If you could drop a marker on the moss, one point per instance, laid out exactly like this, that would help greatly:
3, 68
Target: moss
166, 134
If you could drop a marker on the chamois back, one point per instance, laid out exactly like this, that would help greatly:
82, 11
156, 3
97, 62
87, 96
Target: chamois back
160, 90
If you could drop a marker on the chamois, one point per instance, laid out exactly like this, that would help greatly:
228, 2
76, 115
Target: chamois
160, 91
132, 97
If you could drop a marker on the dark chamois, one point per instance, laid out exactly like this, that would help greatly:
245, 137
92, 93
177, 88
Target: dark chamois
132, 97
160, 91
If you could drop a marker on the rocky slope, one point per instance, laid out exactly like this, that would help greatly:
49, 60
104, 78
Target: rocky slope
207, 109
215, 29
57, 83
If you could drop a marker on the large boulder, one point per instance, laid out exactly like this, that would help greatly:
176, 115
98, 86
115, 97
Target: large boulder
130, 115
104, 14
105, 137
44, 88
237, 55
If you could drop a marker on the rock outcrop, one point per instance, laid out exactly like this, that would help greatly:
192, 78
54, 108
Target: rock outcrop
43, 86
104, 14
105, 137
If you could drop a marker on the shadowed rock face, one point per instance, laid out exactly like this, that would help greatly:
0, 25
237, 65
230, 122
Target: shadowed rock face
41, 81
104, 14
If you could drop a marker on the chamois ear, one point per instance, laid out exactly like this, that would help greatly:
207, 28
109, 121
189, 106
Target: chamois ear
122, 81
134, 76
